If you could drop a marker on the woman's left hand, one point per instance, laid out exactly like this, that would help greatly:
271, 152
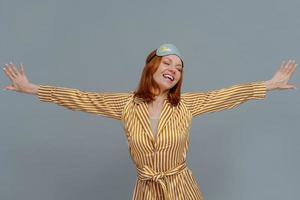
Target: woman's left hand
282, 76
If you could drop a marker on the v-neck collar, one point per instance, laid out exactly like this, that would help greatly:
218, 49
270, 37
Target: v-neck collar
144, 117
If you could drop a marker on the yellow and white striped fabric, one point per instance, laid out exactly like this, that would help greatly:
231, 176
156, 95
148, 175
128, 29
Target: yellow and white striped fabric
162, 173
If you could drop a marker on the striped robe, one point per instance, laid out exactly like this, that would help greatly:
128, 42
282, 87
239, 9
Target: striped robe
161, 162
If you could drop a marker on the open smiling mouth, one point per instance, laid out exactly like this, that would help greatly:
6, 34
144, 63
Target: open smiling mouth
169, 77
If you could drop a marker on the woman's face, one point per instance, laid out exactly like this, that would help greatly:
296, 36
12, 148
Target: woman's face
168, 72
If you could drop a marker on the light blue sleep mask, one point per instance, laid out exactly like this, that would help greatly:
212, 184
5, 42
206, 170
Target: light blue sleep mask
168, 49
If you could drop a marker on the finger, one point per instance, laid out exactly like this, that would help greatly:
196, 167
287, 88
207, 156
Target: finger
9, 87
292, 71
281, 69
22, 69
10, 71
292, 68
291, 87
286, 66
14, 69
292, 62
7, 72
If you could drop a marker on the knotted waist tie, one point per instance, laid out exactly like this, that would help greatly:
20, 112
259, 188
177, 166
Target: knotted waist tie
147, 173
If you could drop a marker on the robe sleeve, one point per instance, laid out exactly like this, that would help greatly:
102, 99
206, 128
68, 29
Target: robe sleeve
222, 99
106, 104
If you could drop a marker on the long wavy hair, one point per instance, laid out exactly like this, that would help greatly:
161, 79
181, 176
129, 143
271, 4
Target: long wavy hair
148, 88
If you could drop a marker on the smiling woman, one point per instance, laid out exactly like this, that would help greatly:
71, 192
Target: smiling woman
170, 69
162, 75
159, 153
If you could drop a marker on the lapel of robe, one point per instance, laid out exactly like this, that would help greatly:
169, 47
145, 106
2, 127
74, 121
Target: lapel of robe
165, 115
143, 116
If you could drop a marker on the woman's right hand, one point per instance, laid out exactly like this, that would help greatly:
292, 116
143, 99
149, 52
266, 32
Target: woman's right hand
19, 81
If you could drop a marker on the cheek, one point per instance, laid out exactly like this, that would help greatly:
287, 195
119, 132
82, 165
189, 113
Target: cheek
178, 77
156, 75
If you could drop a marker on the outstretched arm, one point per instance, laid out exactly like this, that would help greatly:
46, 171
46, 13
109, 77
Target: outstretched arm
227, 98
222, 99
107, 104
103, 103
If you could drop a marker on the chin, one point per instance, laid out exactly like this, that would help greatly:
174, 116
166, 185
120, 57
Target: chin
167, 89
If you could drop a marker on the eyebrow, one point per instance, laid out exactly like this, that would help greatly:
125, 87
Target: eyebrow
172, 61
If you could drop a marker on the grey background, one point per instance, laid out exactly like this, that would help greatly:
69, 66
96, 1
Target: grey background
51, 153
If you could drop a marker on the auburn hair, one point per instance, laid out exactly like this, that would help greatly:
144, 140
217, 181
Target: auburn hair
148, 88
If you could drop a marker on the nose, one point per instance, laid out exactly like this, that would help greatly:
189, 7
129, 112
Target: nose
172, 69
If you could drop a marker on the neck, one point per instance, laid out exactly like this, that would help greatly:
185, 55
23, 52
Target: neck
159, 99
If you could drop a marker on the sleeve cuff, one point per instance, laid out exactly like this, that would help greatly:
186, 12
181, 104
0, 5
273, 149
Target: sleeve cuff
44, 93
259, 90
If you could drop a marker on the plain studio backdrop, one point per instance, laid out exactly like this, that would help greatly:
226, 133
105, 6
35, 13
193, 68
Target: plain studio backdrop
50, 153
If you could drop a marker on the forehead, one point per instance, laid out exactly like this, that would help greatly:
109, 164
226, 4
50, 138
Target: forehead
173, 58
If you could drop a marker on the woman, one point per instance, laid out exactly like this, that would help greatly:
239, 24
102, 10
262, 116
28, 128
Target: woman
156, 117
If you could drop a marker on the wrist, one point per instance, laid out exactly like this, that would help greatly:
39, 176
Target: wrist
269, 85
31, 89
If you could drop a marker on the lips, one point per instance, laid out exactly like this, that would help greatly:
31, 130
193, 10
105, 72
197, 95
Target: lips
168, 76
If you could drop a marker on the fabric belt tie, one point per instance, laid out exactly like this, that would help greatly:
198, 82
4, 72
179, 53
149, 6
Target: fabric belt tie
146, 173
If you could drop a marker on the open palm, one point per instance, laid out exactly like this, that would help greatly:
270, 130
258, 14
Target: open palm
283, 75
19, 81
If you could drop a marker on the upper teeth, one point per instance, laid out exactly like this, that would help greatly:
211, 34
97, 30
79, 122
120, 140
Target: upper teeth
169, 76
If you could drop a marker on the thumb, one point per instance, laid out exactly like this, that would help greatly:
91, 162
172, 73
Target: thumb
291, 87
10, 87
